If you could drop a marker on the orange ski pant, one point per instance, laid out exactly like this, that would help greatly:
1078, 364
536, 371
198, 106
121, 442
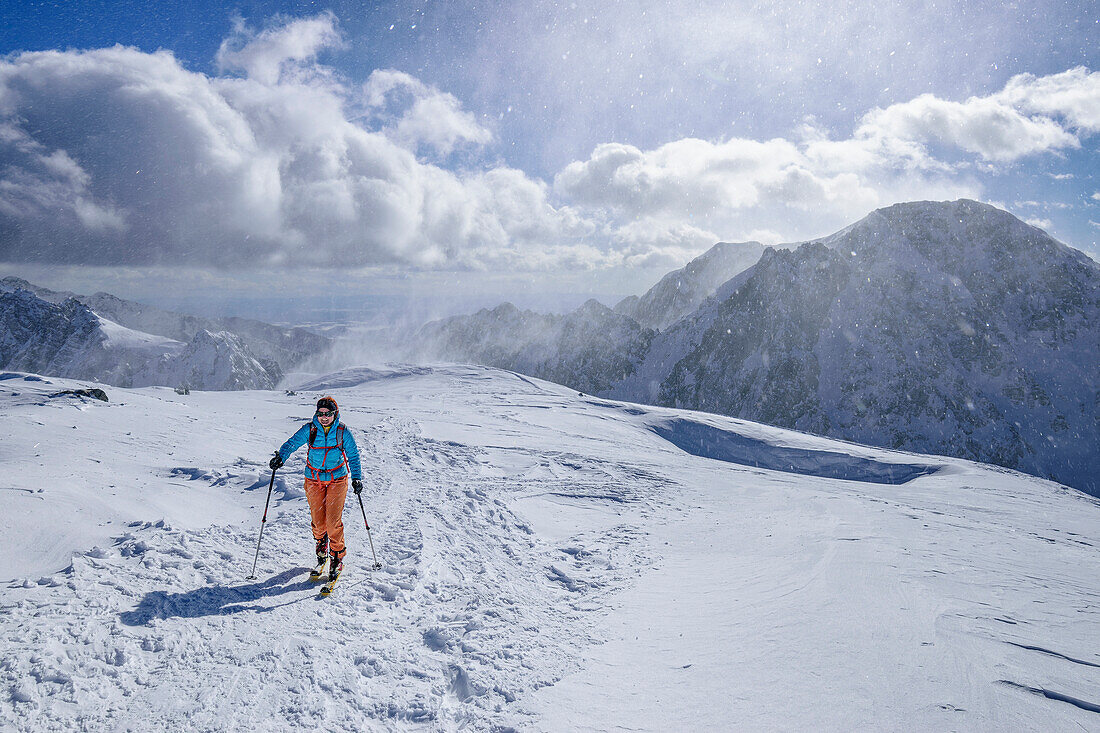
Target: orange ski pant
326, 510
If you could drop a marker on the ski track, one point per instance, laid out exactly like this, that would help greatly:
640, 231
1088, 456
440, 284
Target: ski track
161, 631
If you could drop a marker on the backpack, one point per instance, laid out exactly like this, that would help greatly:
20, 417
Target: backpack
339, 446
339, 436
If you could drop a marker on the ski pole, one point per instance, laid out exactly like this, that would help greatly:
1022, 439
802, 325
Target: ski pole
377, 565
262, 523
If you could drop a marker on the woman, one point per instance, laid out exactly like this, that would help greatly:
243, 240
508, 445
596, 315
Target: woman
332, 451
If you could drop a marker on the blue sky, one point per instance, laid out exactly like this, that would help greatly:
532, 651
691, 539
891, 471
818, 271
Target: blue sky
524, 150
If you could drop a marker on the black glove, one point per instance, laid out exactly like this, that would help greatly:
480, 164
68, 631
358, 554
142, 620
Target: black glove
276, 462
357, 486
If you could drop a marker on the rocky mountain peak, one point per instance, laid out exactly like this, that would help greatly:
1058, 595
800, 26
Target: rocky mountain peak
593, 308
68, 339
682, 291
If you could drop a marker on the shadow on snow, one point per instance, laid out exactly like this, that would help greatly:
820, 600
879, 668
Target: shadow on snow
217, 600
707, 441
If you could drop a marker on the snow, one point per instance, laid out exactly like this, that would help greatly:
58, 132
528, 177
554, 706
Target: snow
939, 327
71, 340
127, 338
720, 444
550, 562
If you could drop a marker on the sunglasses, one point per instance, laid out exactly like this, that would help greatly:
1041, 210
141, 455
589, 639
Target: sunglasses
325, 413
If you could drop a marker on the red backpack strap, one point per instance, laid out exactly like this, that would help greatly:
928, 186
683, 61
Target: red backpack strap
339, 445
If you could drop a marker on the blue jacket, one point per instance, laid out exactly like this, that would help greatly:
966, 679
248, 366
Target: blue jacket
323, 459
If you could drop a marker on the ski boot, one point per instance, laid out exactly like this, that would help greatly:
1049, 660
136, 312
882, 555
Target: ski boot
322, 559
335, 567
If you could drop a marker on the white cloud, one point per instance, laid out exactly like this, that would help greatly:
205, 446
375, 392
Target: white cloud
741, 188
1096, 196
267, 55
1030, 115
1040, 223
415, 114
270, 168
653, 242
120, 156
49, 186
987, 126
164, 156
744, 189
1073, 95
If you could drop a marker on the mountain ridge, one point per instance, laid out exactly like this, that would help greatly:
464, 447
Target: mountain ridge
939, 327
71, 340
279, 349
682, 291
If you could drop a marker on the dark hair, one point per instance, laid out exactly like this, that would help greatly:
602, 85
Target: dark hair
327, 402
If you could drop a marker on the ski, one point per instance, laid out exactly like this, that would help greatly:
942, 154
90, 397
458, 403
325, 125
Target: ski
318, 571
327, 587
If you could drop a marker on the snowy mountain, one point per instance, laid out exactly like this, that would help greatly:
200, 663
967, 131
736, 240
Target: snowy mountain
279, 349
941, 327
682, 291
589, 349
551, 562
953, 329
210, 361
70, 340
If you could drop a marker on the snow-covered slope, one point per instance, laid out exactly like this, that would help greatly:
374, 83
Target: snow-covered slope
551, 562
210, 361
939, 327
70, 340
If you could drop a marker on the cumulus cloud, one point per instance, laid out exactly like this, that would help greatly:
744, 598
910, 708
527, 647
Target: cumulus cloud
988, 126
266, 55
653, 242
39, 183
784, 189
1030, 115
117, 156
416, 116
743, 189
1073, 95
120, 156
148, 162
